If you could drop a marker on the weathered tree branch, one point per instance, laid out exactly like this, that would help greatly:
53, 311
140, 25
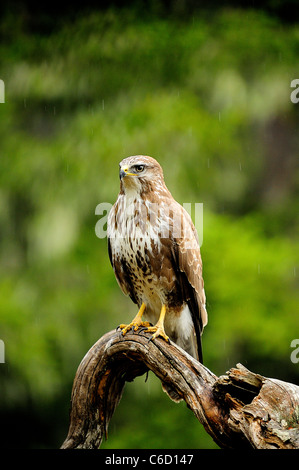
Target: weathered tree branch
239, 410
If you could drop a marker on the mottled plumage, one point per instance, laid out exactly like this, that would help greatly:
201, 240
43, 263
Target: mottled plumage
154, 250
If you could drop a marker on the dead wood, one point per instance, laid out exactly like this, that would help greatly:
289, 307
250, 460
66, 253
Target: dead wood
240, 409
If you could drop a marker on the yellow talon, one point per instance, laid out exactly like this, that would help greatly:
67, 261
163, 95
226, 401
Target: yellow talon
136, 322
133, 326
158, 329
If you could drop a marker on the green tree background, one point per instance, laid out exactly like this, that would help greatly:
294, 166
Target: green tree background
208, 95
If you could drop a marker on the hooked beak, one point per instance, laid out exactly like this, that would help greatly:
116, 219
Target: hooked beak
123, 171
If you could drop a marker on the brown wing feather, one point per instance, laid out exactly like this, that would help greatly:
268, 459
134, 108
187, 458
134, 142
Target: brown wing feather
188, 263
122, 274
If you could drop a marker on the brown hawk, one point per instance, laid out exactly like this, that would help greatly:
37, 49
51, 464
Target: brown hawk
154, 250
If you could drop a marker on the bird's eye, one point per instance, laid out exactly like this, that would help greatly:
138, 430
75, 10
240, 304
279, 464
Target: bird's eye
139, 168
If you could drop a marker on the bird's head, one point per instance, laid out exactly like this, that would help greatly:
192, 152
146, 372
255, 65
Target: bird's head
140, 173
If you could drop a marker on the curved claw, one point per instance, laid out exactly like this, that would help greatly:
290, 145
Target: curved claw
164, 337
144, 328
157, 331
133, 327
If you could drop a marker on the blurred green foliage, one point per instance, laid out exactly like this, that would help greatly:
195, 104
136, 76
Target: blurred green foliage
210, 99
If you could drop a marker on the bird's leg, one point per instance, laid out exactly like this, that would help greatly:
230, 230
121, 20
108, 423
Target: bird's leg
158, 329
136, 322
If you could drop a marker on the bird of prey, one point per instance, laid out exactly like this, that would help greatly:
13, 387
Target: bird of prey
154, 251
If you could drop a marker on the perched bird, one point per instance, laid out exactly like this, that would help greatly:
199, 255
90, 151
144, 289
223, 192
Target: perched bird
154, 250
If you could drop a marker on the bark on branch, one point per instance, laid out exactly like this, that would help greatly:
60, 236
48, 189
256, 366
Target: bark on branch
239, 410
